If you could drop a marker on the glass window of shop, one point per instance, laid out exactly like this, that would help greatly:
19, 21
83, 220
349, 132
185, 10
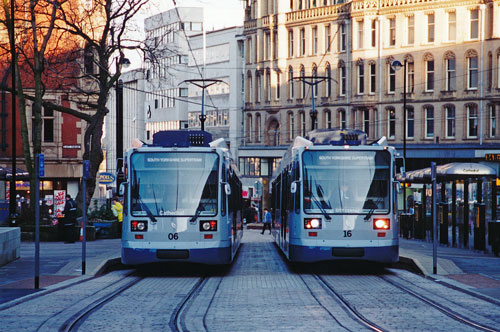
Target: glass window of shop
256, 166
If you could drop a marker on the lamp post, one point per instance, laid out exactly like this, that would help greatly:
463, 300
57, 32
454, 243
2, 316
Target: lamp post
120, 61
312, 81
203, 83
396, 65
12, 197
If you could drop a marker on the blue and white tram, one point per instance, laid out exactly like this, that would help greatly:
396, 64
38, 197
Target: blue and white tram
182, 201
334, 198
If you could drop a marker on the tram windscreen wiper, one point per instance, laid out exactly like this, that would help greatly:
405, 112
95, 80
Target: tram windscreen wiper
372, 206
319, 190
196, 214
136, 195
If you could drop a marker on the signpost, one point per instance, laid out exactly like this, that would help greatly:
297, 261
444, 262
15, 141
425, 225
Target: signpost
39, 172
434, 219
84, 209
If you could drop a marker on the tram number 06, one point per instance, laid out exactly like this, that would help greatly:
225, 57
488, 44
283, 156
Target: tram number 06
347, 233
173, 236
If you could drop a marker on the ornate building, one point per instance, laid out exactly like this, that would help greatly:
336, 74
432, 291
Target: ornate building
449, 50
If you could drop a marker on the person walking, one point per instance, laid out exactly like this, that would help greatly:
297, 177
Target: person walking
69, 220
117, 209
268, 218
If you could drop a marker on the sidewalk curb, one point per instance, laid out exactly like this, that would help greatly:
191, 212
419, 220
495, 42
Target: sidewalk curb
100, 270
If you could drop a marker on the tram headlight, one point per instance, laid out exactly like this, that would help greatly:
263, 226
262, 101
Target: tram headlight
138, 226
208, 225
312, 223
381, 223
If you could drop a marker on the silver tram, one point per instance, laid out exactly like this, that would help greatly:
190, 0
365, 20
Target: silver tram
182, 201
334, 198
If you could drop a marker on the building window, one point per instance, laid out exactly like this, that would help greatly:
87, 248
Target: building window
302, 42
328, 119
392, 31
290, 82
450, 74
290, 43
472, 73
278, 86
328, 82
374, 32
249, 89
275, 44
452, 26
366, 122
302, 124
249, 128
342, 39
268, 86
450, 121
429, 75
342, 119
268, 46
391, 123
430, 27
410, 122
48, 125
373, 78
411, 29
474, 24
360, 33
429, 121
410, 77
314, 40
257, 128
391, 87
498, 70
259, 88
361, 78
471, 121
343, 78
291, 126
493, 120
328, 39
302, 84
315, 74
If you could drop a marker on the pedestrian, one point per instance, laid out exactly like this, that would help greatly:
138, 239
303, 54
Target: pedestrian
69, 220
117, 209
268, 218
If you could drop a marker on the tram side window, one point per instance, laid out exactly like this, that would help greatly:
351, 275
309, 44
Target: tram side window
223, 191
296, 177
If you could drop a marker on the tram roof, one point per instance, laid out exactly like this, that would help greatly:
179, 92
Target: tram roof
448, 172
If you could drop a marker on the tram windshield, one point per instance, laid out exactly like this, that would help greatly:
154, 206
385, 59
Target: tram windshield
346, 182
174, 183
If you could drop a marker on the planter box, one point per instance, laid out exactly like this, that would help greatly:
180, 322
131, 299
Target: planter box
106, 229
53, 233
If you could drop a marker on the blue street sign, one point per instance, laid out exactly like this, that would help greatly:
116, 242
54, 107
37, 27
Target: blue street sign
85, 169
41, 165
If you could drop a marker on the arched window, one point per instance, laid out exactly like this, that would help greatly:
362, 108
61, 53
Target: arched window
342, 78
257, 128
327, 119
290, 82
249, 93
315, 74
291, 126
472, 69
302, 85
248, 128
328, 82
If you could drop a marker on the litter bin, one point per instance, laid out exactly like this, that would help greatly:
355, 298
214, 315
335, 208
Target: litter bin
406, 224
494, 236
419, 221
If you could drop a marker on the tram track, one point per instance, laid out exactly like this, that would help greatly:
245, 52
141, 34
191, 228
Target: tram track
348, 307
75, 321
443, 309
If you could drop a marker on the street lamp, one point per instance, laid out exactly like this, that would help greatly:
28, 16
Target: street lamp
312, 81
396, 65
120, 62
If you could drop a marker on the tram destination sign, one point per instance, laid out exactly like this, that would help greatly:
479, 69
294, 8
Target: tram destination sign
492, 156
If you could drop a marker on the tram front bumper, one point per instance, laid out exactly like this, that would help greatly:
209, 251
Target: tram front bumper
381, 254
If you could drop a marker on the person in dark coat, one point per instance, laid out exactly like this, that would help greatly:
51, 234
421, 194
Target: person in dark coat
69, 220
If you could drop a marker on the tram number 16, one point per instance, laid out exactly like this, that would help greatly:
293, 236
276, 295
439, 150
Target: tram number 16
347, 233
173, 236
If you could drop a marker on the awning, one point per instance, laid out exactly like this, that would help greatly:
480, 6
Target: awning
448, 172
6, 174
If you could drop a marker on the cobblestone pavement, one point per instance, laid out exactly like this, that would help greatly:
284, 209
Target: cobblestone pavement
259, 292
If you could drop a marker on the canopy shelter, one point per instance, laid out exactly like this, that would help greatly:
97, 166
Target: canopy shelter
453, 173
6, 174
449, 172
